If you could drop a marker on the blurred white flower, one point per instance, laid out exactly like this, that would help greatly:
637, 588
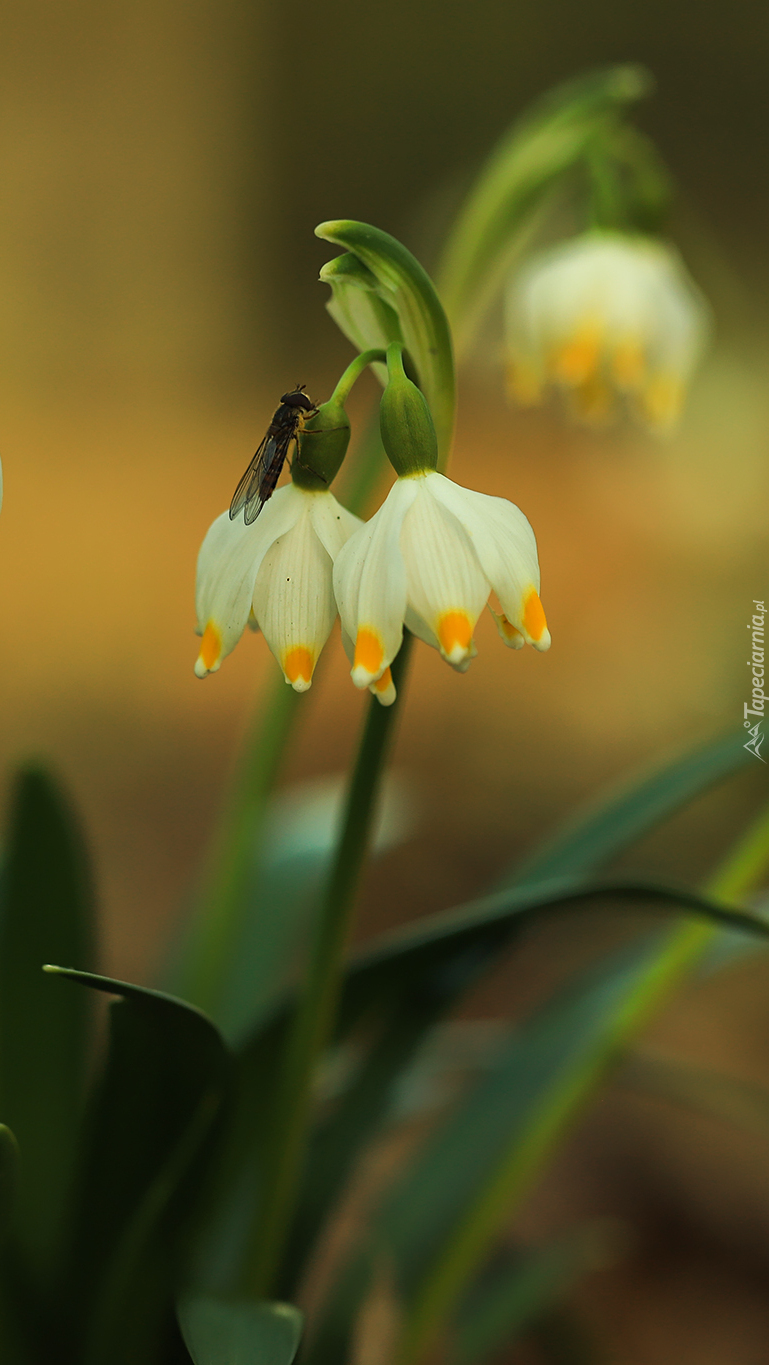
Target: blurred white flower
428, 559
606, 314
275, 574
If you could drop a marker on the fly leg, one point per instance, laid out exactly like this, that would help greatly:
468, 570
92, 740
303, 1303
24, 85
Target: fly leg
298, 456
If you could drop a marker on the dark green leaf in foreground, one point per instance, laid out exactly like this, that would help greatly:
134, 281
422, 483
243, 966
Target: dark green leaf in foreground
9, 1177
150, 1121
217, 1332
46, 913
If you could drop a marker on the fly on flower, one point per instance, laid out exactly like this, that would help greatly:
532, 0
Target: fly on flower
260, 479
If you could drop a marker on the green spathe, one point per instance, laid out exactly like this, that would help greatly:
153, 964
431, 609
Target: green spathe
408, 434
413, 314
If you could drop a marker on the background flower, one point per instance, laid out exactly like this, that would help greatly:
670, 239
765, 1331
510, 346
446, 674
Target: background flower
602, 315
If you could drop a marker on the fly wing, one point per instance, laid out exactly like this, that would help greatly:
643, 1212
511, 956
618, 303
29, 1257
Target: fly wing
258, 482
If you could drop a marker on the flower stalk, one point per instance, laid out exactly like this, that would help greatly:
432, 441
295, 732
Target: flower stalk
313, 1021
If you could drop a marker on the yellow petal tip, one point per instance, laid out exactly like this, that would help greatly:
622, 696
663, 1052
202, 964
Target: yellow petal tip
508, 632
368, 664
210, 655
534, 622
298, 666
455, 633
384, 689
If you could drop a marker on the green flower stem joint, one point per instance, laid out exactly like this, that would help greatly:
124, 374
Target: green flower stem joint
325, 436
408, 432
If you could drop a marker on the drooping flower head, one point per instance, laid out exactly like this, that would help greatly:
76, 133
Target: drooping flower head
277, 574
603, 315
430, 557
428, 560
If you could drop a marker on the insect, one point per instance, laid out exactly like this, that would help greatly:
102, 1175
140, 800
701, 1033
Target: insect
258, 483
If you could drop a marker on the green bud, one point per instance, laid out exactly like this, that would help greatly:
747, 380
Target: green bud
408, 433
323, 445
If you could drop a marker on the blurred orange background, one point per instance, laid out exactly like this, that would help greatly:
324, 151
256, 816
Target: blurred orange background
162, 168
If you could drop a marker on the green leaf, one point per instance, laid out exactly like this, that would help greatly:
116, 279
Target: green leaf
9, 1178
46, 911
515, 1292
217, 1332
407, 980
444, 953
491, 1143
623, 815
531, 158
144, 1155
401, 283
19, 1304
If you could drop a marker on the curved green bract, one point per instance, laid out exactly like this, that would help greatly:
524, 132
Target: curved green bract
396, 279
152, 1120
516, 180
366, 319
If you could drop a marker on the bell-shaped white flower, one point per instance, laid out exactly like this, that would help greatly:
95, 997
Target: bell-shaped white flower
428, 559
604, 314
275, 574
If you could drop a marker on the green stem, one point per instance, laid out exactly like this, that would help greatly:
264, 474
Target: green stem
223, 902
314, 1019
353, 373
471, 1240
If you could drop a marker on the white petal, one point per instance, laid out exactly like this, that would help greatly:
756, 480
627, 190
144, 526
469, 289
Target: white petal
370, 585
333, 523
228, 563
446, 585
506, 548
293, 600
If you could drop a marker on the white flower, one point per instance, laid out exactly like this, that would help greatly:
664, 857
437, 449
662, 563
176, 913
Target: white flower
275, 574
607, 313
428, 559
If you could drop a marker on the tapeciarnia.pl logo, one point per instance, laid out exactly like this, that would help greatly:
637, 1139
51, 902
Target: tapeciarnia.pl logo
757, 703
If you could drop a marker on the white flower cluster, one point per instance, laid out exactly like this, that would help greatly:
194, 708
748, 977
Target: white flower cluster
428, 560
